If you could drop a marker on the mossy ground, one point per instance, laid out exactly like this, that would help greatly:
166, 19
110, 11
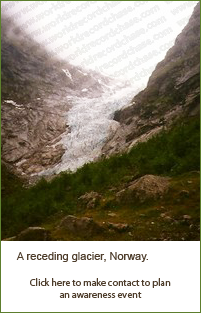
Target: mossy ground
173, 153
160, 220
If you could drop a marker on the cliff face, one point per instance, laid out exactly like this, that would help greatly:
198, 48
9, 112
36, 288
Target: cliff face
172, 92
36, 94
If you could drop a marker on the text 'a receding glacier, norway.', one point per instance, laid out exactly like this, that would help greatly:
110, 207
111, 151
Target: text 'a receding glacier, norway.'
75, 257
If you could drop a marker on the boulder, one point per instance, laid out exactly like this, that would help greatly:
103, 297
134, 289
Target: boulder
10, 239
33, 234
166, 216
112, 214
119, 227
145, 188
90, 199
186, 217
184, 193
84, 226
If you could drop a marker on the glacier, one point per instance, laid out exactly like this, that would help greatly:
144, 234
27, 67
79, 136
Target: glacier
90, 121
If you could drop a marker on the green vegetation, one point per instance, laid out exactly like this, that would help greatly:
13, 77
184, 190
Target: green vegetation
10, 183
170, 153
156, 220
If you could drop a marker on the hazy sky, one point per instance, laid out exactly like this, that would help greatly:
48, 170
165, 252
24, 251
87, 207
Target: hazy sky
125, 39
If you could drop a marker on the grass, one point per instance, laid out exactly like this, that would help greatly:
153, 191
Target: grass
159, 220
171, 153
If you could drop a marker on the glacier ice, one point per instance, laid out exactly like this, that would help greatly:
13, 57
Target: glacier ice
90, 121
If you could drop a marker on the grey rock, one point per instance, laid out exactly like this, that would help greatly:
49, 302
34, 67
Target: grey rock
184, 193
33, 234
144, 188
112, 214
166, 216
84, 226
90, 199
119, 227
10, 239
36, 95
172, 93
187, 217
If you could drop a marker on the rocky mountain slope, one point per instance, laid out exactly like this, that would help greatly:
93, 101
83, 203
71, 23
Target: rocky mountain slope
36, 95
172, 93
150, 192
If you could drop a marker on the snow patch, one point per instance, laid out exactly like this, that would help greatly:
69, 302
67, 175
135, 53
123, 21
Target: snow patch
17, 106
85, 74
68, 74
103, 84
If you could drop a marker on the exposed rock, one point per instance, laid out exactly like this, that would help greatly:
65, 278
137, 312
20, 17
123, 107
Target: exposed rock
10, 239
187, 217
186, 220
166, 216
90, 199
37, 91
144, 188
33, 234
112, 214
120, 194
184, 193
195, 172
119, 227
193, 227
84, 226
172, 93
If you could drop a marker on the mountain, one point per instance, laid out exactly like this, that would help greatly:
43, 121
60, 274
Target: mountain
144, 191
172, 93
36, 95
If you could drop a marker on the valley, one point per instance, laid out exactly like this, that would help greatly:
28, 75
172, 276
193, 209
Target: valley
88, 157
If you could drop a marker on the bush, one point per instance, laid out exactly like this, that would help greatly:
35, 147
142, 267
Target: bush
169, 153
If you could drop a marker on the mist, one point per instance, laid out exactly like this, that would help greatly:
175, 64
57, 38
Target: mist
121, 39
